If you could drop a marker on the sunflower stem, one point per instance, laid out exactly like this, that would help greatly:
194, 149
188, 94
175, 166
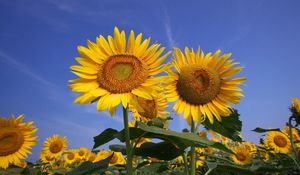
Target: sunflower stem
292, 142
186, 168
193, 153
127, 141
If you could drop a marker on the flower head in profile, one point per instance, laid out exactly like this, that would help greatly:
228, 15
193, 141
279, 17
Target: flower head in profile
115, 70
16, 140
295, 109
145, 110
202, 84
54, 146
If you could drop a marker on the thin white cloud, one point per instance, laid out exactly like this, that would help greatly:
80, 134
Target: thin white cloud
69, 127
167, 24
23, 68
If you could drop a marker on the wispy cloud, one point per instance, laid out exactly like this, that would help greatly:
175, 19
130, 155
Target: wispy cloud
167, 25
70, 126
23, 68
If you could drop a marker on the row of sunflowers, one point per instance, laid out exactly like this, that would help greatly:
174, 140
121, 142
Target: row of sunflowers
130, 73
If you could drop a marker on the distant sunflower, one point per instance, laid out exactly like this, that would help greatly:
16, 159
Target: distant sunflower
203, 84
16, 140
278, 141
112, 71
295, 133
251, 147
70, 157
46, 159
83, 153
241, 156
296, 105
55, 146
151, 109
117, 159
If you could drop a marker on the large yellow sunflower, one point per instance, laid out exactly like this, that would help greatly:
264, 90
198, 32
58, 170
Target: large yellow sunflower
241, 156
16, 140
278, 141
113, 71
55, 146
203, 84
154, 108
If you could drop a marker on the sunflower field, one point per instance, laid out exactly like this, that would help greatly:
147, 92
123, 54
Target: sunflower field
129, 71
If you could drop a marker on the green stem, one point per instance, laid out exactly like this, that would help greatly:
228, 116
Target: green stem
209, 171
292, 143
186, 168
127, 141
193, 153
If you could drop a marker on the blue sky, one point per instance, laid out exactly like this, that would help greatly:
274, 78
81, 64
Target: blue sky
38, 40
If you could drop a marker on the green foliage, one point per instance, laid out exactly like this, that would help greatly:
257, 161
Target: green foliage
229, 127
88, 167
106, 136
261, 130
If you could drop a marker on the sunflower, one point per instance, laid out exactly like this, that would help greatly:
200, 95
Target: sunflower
241, 156
113, 72
250, 147
203, 85
101, 155
16, 140
70, 157
117, 159
278, 141
154, 108
83, 153
199, 157
55, 146
296, 105
46, 158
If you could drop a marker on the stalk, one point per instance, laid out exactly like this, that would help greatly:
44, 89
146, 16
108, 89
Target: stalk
292, 143
193, 153
128, 145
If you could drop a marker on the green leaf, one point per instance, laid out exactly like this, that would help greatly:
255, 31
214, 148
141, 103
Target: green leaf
161, 151
31, 171
229, 127
261, 130
180, 139
106, 136
117, 148
134, 133
89, 167
154, 168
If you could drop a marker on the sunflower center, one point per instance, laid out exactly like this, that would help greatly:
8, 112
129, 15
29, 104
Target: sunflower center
240, 156
121, 73
198, 85
56, 147
81, 153
71, 156
149, 108
11, 140
114, 159
280, 141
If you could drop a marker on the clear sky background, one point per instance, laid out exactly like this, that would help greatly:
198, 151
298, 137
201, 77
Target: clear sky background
38, 40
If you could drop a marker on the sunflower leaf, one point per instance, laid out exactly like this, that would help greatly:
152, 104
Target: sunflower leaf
261, 130
180, 139
161, 150
229, 127
89, 167
104, 137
